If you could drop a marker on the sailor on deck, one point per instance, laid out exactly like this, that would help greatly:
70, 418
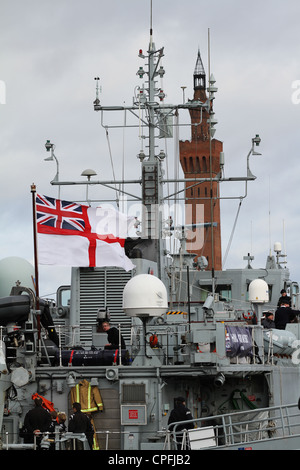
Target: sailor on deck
284, 315
113, 337
268, 320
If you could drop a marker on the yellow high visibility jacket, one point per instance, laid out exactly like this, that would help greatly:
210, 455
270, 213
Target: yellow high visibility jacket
88, 396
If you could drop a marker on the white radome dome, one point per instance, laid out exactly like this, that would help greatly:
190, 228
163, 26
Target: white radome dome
12, 270
145, 295
258, 291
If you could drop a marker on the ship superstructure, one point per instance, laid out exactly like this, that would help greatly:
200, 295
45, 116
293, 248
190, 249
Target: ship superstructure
190, 331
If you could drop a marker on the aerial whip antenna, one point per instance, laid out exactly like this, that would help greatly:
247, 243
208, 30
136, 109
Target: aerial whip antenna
151, 30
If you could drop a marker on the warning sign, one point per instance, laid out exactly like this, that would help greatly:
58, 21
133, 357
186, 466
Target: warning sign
133, 414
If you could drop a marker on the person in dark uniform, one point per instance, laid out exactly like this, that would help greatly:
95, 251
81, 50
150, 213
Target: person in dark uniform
180, 413
79, 422
284, 299
37, 421
284, 315
113, 337
268, 320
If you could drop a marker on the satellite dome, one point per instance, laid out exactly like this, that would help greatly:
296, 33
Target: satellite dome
258, 291
145, 295
12, 270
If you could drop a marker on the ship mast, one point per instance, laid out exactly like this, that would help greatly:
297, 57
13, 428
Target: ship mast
155, 119
152, 166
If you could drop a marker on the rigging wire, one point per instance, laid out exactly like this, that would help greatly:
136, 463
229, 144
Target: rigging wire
166, 153
123, 162
112, 164
270, 247
232, 233
211, 183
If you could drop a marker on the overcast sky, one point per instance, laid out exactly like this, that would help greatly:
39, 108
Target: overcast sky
50, 53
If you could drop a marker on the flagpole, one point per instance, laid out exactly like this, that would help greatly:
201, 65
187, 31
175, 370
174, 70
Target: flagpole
36, 266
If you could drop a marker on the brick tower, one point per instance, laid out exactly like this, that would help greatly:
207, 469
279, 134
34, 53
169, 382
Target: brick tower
200, 158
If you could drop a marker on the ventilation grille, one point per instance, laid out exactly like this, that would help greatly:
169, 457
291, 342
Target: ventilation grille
100, 288
133, 393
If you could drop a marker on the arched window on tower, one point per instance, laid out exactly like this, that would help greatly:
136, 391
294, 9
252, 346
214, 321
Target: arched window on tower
197, 165
191, 166
204, 165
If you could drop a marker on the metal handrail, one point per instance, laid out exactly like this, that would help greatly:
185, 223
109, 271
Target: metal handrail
244, 426
229, 429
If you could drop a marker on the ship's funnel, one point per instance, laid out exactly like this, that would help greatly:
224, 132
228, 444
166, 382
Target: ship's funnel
145, 296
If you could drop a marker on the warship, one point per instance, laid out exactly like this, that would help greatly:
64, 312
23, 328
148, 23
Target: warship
191, 329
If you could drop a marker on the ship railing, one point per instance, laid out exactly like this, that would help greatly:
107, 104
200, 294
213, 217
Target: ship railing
68, 339
67, 336
236, 429
107, 440
258, 352
225, 431
46, 441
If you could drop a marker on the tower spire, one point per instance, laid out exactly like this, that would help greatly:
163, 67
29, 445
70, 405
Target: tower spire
199, 74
